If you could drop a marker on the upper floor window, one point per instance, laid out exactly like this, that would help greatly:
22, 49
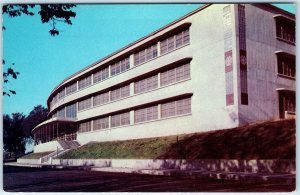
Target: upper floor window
285, 29
71, 88
286, 65
84, 104
146, 114
174, 108
54, 115
61, 113
101, 75
84, 127
146, 84
55, 99
175, 41
175, 74
120, 93
61, 94
87, 81
145, 55
120, 119
102, 123
71, 111
119, 67
101, 99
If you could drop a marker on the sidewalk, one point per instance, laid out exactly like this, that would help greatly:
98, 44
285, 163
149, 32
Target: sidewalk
240, 176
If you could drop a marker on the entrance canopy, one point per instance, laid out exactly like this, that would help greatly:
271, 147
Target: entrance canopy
55, 129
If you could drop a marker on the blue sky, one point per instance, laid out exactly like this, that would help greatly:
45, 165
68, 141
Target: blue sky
98, 30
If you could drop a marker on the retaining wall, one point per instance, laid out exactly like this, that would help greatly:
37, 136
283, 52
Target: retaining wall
247, 166
28, 161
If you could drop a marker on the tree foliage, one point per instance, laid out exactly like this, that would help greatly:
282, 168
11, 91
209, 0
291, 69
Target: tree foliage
49, 13
13, 135
7, 74
17, 129
35, 117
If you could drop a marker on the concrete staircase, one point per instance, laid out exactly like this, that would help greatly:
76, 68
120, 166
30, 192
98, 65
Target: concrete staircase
65, 146
69, 144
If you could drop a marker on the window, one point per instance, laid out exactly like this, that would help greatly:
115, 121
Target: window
55, 99
71, 88
102, 123
87, 81
146, 84
51, 104
174, 108
84, 104
61, 113
175, 74
287, 102
84, 127
120, 119
101, 99
120, 93
119, 67
175, 41
71, 111
101, 75
145, 55
61, 94
54, 115
146, 114
286, 65
285, 29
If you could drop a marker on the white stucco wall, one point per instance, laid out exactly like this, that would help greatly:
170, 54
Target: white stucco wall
45, 147
206, 85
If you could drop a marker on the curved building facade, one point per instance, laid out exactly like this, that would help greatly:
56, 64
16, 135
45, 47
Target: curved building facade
217, 67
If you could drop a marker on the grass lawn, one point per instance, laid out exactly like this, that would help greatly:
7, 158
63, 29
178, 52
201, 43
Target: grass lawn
137, 149
267, 140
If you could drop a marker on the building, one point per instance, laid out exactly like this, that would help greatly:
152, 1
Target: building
217, 67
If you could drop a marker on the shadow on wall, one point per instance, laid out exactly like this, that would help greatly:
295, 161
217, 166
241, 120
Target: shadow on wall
246, 166
260, 115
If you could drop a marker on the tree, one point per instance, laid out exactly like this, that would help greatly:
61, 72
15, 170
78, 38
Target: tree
49, 13
13, 136
9, 72
35, 117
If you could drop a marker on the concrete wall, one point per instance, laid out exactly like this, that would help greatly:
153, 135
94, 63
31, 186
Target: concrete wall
262, 66
45, 147
28, 161
248, 166
207, 83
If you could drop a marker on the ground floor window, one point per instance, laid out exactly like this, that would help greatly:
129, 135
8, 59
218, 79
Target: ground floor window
287, 102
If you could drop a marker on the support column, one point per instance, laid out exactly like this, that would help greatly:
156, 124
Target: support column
131, 60
158, 48
57, 130
109, 121
131, 116
159, 111
131, 89
158, 80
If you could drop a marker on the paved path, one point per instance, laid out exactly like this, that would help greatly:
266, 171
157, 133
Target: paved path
25, 179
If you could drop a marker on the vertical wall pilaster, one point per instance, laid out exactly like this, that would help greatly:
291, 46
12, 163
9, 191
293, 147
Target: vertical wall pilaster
158, 48
227, 23
131, 60
131, 115
131, 89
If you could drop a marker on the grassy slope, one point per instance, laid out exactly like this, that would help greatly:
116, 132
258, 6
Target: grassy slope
268, 140
138, 149
35, 155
